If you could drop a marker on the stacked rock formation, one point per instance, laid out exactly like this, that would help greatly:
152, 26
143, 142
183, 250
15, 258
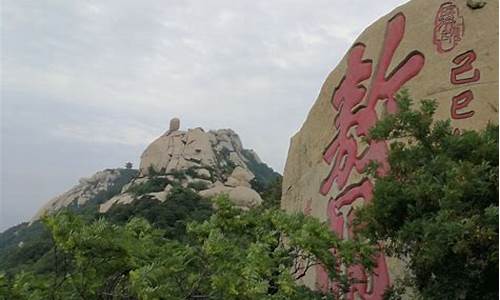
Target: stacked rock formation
210, 163
214, 162
443, 50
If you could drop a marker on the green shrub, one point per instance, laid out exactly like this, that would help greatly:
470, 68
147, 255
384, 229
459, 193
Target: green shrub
181, 206
437, 205
153, 185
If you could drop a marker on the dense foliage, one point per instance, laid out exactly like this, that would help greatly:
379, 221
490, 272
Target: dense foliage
153, 185
24, 247
271, 194
35, 233
235, 254
28, 247
172, 215
437, 208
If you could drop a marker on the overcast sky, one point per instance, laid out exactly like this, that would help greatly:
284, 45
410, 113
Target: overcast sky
86, 85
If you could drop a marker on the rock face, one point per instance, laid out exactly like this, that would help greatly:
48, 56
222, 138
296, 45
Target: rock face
95, 189
195, 148
124, 198
178, 151
443, 50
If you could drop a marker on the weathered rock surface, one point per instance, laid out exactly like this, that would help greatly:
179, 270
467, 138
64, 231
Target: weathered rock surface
181, 150
244, 197
442, 50
178, 151
217, 189
203, 173
97, 188
124, 198
240, 177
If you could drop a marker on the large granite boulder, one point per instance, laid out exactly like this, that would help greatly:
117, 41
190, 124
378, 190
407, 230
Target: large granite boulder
241, 196
444, 50
240, 177
180, 150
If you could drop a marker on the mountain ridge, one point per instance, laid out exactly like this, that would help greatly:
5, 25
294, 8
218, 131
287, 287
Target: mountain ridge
208, 162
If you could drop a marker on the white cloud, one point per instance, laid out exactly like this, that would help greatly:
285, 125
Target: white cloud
106, 132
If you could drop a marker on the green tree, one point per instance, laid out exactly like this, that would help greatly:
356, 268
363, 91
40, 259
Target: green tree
255, 254
235, 254
437, 207
172, 215
271, 194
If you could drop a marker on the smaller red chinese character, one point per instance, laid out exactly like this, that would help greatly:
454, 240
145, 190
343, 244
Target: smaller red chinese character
464, 62
448, 27
460, 102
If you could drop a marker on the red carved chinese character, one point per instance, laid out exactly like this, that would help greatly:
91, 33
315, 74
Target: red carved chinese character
459, 102
342, 153
448, 27
356, 115
464, 62
337, 223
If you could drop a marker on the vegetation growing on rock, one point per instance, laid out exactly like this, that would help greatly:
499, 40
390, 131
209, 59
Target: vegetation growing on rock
437, 208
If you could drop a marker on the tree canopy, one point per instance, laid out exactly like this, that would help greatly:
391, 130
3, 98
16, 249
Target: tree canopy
234, 254
437, 208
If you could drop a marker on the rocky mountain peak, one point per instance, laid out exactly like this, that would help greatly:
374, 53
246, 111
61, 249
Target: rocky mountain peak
208, 162
221, 150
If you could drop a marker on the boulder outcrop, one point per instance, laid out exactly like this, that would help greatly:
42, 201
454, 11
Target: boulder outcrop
95, 189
